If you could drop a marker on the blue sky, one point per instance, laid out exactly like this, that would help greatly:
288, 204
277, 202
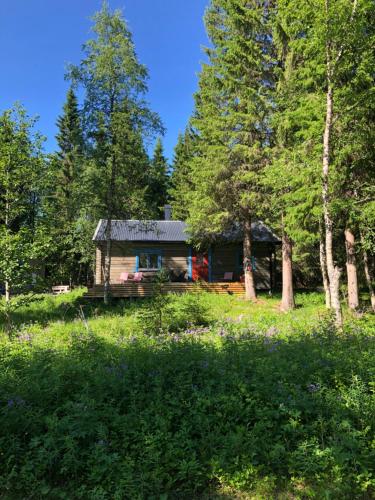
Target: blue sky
39, 37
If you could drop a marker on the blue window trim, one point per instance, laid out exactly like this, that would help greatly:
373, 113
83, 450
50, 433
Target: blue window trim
155, 251
210, 255
190, 264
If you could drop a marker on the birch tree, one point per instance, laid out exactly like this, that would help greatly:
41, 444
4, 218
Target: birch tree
114, 85
331, 40
22, 244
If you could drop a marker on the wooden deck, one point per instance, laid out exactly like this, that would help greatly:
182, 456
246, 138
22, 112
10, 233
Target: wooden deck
128, 290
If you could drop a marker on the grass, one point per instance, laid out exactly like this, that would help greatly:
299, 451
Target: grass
227, 400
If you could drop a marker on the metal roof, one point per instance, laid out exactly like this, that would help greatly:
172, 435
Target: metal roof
173, 231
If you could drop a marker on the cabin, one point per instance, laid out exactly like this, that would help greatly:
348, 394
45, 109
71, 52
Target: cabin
147, 246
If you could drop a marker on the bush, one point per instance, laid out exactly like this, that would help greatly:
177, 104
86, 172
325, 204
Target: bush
172, 313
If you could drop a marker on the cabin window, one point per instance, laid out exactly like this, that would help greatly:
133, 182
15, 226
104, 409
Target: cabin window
149, 260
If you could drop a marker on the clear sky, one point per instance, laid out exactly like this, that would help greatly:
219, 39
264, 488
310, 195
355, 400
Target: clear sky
39, 37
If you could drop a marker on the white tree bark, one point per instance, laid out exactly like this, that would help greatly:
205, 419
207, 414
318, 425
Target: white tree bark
323, 266
334, 272
250, 292
107, 262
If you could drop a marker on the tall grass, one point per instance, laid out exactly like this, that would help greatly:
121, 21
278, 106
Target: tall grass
244, 401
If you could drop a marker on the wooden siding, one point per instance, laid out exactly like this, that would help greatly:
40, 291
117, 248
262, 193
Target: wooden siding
227, 259
140, 290
175, 257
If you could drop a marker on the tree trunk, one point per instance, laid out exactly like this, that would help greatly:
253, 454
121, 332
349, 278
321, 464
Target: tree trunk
333, 271
107, 261
110, 207
247, 261
7, 307
351, 269
287, 300
7, 292
323, 265
368, 277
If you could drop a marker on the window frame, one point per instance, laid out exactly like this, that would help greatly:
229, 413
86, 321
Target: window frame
148, 252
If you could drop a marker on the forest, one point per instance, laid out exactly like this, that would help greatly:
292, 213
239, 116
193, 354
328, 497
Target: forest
255, 397
282, 131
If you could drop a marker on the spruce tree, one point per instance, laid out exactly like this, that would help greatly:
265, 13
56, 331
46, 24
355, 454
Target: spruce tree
181, 182
70, 156
66, 201
158, 180
232, 122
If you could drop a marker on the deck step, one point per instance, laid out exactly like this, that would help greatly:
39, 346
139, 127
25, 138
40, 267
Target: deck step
127, 290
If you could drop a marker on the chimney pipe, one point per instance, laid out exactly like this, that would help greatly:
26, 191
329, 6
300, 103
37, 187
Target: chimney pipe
167, 212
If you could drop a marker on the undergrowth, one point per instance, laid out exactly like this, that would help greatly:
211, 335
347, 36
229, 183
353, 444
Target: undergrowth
243, 400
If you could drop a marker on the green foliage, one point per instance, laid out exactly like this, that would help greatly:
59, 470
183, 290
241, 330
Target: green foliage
231, 117
166, 314
22, 241
181, 178
240, 407
158, 181
153, 318
305, 34
65, 203
117, 119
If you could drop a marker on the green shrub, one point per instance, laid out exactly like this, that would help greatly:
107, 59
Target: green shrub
172, 313
187, 310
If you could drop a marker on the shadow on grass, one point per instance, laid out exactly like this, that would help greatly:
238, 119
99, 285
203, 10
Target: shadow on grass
181, 418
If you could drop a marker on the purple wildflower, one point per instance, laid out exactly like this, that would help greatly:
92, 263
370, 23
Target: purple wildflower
16, 401
271, 332
313, 387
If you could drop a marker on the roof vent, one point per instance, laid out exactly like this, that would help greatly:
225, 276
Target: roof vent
167, 212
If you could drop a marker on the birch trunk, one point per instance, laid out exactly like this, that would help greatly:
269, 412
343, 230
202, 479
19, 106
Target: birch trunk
250, 292
351, 270
7, 307
287, 299
370, 286
323, 266
7, 209
107, 261
108, 232
334, 272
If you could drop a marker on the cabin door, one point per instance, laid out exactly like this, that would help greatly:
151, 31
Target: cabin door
200, 266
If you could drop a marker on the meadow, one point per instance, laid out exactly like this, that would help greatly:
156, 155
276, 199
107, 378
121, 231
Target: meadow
192, 396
